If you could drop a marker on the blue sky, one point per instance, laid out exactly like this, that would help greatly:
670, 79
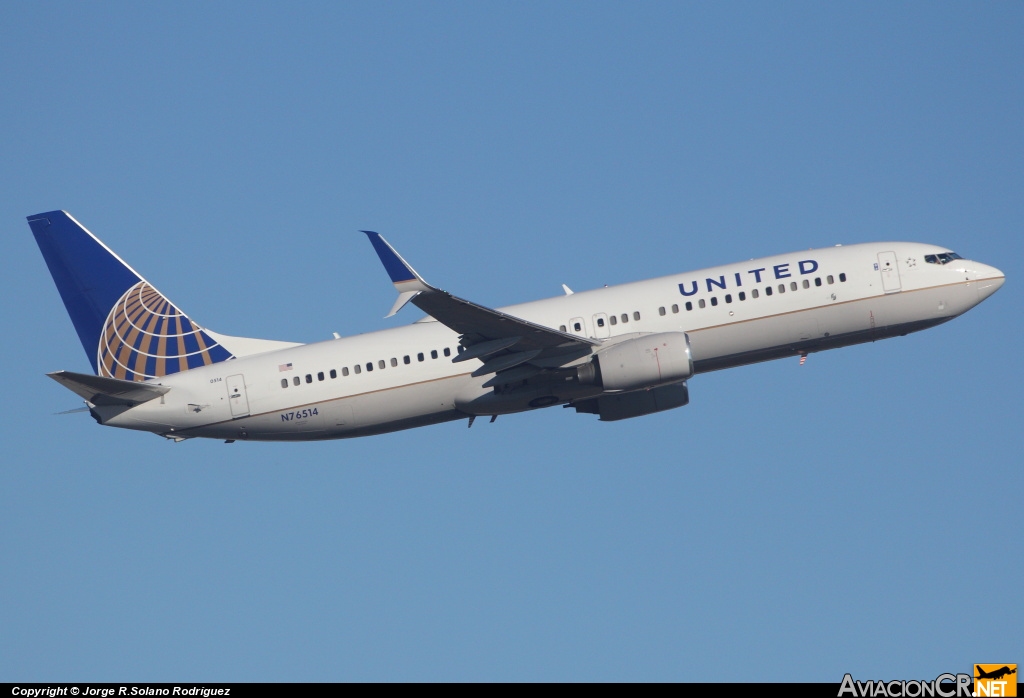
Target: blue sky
852, 515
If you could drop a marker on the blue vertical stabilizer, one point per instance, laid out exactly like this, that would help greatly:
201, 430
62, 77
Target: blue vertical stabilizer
129, 329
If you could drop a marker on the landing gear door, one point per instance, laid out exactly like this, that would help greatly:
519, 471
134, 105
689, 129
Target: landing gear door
890, 272
237, 396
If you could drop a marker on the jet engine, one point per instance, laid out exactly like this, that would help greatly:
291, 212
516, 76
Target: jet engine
645, 375
643, 362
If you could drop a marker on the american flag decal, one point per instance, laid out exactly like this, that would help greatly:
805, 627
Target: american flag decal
284, 367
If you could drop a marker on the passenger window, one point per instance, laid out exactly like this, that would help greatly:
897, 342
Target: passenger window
284, 382
419, 357
381, 364
661, 310
792, 285
700, 303
728, 298
406, 359
782, 288
625, 318
433, 353
767, 290
447, 351
357, 368
842, 278
369, 366
334, 373
295, 380
830, 279
394, 362
755, 293
714, 300
817, 281
309, 378
743, 295
320, 376
636, 314
675, 308
689, 305
807, 284
344, 370
561, 328
613, 320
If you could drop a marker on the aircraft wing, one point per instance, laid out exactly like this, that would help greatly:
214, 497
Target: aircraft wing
484, 332
108, 391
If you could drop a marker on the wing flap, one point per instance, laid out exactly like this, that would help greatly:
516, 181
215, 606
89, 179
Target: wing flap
485, 349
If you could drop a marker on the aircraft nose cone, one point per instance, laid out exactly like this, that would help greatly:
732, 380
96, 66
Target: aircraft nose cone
990, 280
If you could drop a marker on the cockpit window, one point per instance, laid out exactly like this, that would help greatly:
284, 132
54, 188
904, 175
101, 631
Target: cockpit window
942, 258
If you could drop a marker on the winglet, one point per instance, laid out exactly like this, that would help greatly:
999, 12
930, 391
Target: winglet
398, 269
403, 298
408, 283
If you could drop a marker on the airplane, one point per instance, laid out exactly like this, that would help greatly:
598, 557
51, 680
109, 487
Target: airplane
995, 674
618, 352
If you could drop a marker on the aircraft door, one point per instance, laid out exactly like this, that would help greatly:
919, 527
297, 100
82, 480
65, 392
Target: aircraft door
577, 326
237, 396
601, 330
890, 272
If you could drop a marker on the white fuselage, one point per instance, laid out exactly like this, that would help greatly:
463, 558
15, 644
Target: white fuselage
404, 377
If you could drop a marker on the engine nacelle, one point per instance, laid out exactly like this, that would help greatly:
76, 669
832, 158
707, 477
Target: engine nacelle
646, 362
612, 408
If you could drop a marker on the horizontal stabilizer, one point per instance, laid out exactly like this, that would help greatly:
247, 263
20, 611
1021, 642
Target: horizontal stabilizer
108, 391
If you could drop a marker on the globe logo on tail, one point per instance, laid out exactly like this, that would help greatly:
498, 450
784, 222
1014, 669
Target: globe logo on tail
145, 336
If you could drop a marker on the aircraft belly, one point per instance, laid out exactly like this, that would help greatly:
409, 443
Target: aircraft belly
371, 410
751, 335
